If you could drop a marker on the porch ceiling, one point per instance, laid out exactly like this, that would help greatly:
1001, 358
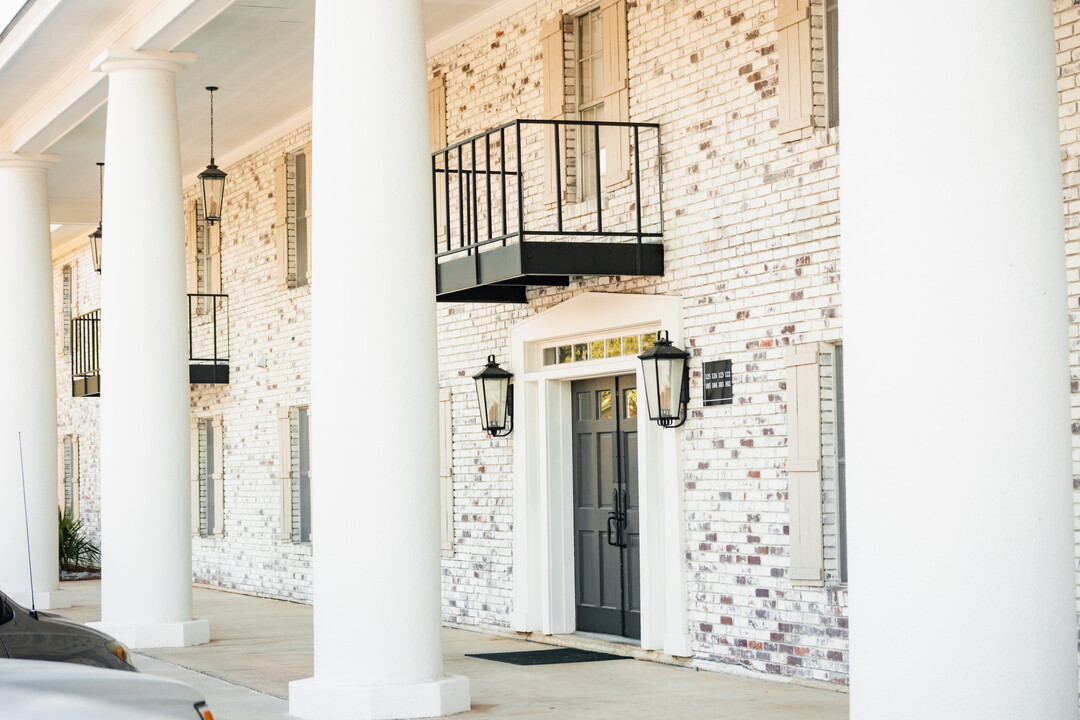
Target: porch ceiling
259, 52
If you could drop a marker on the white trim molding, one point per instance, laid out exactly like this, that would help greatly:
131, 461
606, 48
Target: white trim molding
543, 472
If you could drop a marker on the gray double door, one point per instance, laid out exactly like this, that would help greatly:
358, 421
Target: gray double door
606, 527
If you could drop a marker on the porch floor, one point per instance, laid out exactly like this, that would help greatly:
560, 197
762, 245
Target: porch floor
258, 645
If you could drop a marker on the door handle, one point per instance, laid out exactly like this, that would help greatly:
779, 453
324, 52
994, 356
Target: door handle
617, 517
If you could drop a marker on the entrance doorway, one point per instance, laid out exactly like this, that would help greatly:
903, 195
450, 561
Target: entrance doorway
607, 547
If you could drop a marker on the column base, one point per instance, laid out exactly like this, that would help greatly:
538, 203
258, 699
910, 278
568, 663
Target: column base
157, 635
677, 644
313, 700
48, 600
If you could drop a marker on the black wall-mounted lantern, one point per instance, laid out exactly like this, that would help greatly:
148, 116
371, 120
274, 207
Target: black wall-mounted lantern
95, 237
667, 381
213, 177
495, 395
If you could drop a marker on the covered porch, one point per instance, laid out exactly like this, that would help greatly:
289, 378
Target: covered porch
257, 646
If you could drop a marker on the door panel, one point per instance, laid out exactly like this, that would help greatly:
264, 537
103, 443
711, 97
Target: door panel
632, 555
605, 486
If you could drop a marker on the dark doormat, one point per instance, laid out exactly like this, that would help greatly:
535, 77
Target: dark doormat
548, 657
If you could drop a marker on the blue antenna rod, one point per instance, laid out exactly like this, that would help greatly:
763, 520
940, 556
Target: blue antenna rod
26, 518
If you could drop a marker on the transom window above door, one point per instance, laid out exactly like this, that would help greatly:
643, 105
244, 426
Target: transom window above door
598, 349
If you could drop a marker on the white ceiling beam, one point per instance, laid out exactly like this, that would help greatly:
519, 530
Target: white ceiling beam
141, 24
160, 30
24, 29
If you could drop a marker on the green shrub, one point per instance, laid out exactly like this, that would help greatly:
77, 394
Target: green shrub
75, 549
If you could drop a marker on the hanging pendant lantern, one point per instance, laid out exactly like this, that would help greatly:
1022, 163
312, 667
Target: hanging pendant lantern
95, 237
667, 381
213, 177
495, 395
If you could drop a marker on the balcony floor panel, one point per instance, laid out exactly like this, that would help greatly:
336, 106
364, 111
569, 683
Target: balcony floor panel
501, 274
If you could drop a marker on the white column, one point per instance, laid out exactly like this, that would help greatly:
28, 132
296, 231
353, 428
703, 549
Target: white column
956, 363
375, 528
145, 420
28, 363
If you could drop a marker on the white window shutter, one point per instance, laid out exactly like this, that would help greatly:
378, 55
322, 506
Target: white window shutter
446, 471
195, 529
309, 178
285, 472
75, 476
216, 525
794, 68
616, 92
74, 289
552, 47
311, 481
281, 218
213, 280
804, 464
552, 42
437, 112
191, 242
437, 116
60, 470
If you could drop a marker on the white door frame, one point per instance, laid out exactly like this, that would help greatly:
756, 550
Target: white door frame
543, 471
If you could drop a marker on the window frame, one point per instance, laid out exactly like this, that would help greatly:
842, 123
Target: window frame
67, 305
207, 488
69, 487
293, 233
291, 486
591, 109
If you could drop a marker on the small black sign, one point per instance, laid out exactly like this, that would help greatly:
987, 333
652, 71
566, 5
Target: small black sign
718, 382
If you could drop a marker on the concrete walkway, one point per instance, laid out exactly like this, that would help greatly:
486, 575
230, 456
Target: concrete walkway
257, 646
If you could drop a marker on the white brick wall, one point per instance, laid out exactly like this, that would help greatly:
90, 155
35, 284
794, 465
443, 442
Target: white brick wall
751, 245
267, 321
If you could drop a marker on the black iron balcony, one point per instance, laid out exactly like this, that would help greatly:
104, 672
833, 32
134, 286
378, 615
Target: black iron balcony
85, 341
536, 202
208, 338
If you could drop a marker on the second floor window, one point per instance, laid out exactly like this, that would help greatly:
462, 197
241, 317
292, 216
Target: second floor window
292, 222
589, 66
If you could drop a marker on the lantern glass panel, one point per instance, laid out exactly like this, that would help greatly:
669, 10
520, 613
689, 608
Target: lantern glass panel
663, 387
213, 192
491, 393
95, 248
670, 374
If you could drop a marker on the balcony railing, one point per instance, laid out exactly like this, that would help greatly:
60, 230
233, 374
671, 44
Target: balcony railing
85, 344
208, 338
584, 196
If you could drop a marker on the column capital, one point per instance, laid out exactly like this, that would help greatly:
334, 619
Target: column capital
119, 59
28, 160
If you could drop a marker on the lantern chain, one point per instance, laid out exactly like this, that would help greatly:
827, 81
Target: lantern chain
211, 89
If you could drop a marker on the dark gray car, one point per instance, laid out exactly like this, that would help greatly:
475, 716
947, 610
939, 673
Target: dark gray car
45, 636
